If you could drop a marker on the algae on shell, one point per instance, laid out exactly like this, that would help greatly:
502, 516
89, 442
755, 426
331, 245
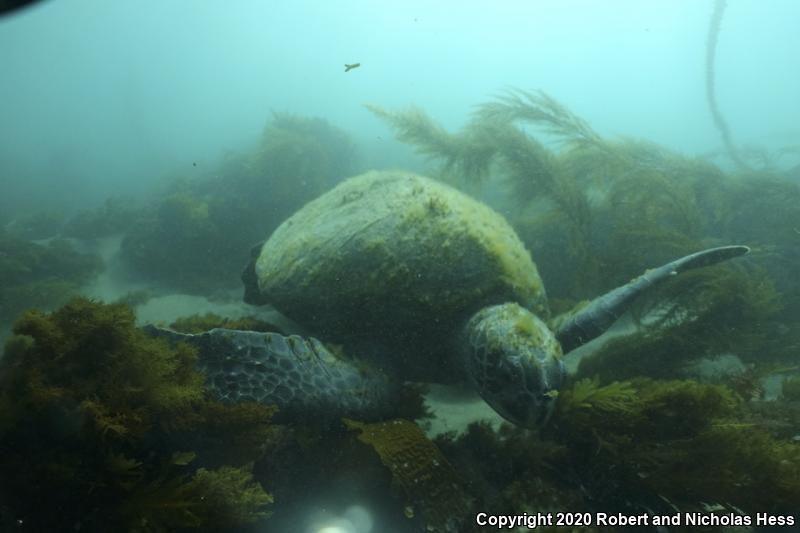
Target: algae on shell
395, 257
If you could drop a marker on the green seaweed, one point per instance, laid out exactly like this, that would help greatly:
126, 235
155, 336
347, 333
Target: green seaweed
686, 441
636, 446
201, 323
114, 217
790, 389
41, 275
179, 243
104, 423
198, 234
37, 225
698, 314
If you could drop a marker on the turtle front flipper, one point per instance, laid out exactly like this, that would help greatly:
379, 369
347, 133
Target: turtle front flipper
594, 319
298, 375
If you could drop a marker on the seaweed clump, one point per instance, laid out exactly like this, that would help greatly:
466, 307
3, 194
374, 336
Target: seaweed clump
37, 225
790, 389
698, 315
201, 323
636, 446
101, 421
196, 236
41, 275
180, 243
510, 470
681, 440
114, 217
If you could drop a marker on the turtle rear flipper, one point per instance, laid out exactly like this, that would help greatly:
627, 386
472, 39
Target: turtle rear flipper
298, 375
594, 319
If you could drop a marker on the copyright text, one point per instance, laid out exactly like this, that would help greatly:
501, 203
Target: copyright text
534, 520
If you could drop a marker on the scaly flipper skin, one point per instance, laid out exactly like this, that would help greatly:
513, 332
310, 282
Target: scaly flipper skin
298, 375
594, 319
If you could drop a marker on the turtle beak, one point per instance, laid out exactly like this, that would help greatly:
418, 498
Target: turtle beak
536, 397
548, 399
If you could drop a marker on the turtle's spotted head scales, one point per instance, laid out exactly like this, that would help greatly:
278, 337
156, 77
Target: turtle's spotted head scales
514, 362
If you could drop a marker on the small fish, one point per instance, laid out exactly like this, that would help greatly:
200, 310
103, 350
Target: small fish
351, 66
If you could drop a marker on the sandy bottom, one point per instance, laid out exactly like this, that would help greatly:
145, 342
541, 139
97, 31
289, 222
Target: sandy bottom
163, 306
454, 409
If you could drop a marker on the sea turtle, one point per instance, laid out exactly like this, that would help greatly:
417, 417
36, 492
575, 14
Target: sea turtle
421, 283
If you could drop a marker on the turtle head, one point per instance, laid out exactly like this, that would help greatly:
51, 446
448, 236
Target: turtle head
514, 361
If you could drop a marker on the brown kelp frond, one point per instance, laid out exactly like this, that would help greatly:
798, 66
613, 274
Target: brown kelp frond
711, 95
541, 110
430, 485
654, 203
491, 145
467, 154
527, 166
414, 126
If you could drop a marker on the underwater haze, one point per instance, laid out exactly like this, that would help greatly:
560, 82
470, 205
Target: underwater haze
107, 97
361, 267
